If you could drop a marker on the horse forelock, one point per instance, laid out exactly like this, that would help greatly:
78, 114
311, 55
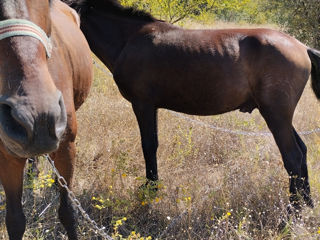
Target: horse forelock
13, 9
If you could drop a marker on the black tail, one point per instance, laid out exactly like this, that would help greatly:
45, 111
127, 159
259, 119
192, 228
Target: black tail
314, 56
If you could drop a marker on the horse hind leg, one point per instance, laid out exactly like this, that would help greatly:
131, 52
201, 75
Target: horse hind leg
280, 125
304, 172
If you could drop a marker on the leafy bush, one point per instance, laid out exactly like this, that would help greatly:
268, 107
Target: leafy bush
300, 18
228, 10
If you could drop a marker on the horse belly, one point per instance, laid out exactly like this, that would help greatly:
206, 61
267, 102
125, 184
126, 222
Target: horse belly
193, 81
206, 98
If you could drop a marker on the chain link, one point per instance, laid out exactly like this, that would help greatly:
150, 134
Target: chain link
235, 132
225, 130
76, 203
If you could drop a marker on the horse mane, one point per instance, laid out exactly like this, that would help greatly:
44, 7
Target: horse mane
109, 6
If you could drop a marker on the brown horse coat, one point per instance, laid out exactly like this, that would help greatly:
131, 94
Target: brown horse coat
34, 85
204, 72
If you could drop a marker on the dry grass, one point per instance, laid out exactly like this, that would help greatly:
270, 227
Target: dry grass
192, 24
214, 185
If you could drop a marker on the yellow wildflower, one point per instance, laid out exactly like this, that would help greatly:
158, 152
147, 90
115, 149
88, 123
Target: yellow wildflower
118, 222
98, 206
50, 180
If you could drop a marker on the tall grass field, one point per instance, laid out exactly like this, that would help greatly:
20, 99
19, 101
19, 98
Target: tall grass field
216, 180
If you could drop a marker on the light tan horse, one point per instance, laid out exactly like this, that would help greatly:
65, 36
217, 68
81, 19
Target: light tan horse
45, 75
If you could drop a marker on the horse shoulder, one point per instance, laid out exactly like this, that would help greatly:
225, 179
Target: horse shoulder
75, 53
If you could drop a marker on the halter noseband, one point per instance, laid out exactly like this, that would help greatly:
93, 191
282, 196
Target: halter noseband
22, 27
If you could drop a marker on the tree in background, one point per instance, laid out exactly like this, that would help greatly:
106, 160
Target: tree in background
300, 18
177, 10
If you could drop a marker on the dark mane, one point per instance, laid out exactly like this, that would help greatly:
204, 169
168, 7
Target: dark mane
109, 6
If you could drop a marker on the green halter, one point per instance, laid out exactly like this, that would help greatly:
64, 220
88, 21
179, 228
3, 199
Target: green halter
22, 27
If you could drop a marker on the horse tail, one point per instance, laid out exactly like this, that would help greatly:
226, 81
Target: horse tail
314, 56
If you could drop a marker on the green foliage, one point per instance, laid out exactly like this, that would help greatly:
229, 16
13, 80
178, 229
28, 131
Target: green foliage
171, 10
176, 10
299, 17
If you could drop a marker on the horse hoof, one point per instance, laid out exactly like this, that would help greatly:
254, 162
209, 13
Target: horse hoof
294, 210
283, 224
150, 186
148, 192
309, 202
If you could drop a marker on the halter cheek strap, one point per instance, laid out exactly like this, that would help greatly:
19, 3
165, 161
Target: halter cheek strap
22, 27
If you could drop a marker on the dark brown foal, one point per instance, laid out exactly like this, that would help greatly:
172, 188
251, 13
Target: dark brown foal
204, 72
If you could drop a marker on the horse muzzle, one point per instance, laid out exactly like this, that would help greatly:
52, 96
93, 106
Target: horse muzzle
28, 130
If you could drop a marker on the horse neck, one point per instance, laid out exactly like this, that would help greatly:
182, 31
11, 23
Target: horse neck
108, 35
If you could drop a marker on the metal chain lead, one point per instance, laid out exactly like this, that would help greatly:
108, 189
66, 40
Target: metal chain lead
76, 203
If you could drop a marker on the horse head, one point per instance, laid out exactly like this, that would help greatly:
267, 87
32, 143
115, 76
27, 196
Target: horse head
32, 111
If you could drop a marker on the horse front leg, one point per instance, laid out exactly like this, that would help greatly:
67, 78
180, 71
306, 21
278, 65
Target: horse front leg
11, 176
147, 119
64, 160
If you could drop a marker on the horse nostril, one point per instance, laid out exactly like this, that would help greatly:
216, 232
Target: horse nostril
13, 125
30, 129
